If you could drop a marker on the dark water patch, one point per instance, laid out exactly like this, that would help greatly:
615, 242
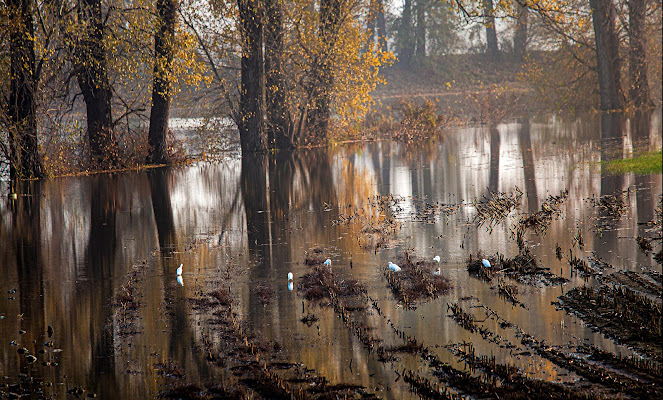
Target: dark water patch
620, 313
642, 283
595, 373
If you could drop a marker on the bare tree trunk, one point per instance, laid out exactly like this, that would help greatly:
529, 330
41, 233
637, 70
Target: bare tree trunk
520, 36
278, 117
24, 158
251, 108
491, 33
330, 11
639, 90
607, 54
92, 74
370, 24
164, 39
382, 26
420, 32
405, 33
376, 20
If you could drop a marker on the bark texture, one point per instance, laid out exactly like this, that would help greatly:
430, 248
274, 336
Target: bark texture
607, 54
639, 90
279, 128
420, 33
24, 152
251, 108
164, 40
92, 74
406, 35
491, 33
520, 36
318, 123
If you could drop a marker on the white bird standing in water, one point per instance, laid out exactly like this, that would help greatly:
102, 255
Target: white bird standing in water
437, 270
485, 263
394, 267
179, 275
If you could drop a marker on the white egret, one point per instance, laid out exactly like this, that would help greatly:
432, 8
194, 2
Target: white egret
436, 259
290, 276
180, 280
394, 267
485, 263
179, 270
328, 262
290, 286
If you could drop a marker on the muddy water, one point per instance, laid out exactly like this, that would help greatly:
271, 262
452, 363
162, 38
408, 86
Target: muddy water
70, 246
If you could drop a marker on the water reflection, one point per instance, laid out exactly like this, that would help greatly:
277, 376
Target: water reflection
73, 245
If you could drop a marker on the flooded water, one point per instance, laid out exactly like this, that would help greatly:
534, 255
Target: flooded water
73, 246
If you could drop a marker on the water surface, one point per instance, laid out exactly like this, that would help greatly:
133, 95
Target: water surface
70, 246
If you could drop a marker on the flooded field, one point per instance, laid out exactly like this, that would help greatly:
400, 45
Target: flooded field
570, 305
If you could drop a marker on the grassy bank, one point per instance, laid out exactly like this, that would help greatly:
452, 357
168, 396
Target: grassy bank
650, 163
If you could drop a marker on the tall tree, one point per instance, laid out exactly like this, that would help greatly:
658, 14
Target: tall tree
164, 41
330, 17
24, 153
491, 32
420, 31
382, 26
279, 130
92, 73
406, 34
607, 54
250, 118
639, 90
520, 36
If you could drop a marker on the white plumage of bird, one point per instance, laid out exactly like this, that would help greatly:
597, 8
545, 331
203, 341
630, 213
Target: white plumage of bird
179, 270
328, 262
485, 263
394, 267
290, 276
436, 259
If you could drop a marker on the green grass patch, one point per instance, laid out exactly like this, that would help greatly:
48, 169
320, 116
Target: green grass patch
649, 163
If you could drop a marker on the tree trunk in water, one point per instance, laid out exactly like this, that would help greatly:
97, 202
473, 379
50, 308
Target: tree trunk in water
520, 36
329, 23
93, 80
607, 54
278, 117
24, 153
420, 32
639, 90
251, 109
405, 33
164, 40
491, 33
